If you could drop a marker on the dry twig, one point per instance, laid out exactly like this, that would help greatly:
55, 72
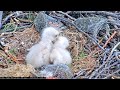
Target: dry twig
66, 15
109, 39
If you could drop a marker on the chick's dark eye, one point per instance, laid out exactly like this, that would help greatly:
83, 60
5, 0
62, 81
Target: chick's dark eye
55, 35
53, 42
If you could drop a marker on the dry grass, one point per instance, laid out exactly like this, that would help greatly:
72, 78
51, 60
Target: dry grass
17, 70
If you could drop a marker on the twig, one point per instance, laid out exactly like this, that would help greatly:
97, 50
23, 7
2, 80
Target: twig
17, 13
99, 12
99, 73
68, 12
114, 48
10, 55
79, 12
66, 15
23, 20
115, 77
108, 14
109, 39
35, 74
56, 71
114, 23
5, 58
79, 74
104, 70
118, 29
111, 74
93, 73
21, 27
15, 28
112, 20
117, 56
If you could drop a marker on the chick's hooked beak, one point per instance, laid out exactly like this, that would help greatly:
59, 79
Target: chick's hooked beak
56, 38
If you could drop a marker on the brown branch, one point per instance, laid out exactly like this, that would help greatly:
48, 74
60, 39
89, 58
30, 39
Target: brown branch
109, 39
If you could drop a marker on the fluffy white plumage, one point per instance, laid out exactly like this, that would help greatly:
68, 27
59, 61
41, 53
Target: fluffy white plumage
39, 54
60, 54
61, 42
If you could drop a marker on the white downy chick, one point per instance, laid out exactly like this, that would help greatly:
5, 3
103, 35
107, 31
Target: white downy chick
61, 42
39, 54
60, 54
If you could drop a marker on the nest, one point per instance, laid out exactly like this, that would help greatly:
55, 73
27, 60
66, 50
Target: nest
22, 41
88, 60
